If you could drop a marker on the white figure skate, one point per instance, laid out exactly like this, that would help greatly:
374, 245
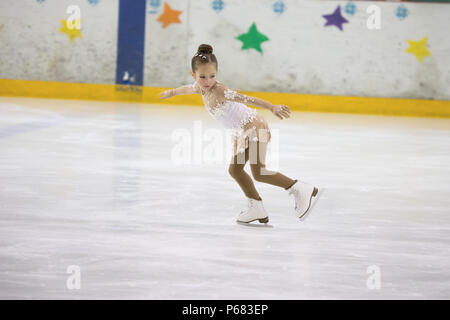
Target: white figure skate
254, 212
303, 194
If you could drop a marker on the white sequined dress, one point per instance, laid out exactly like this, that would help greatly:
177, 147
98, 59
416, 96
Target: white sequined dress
245, 123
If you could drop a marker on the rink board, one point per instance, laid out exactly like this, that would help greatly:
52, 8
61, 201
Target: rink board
297, 102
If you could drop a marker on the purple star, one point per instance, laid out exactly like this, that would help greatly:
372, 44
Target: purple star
335, 19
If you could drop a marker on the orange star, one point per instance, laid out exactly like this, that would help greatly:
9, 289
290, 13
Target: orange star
169, 16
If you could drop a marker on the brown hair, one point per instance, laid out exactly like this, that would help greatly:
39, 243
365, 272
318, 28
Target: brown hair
204, 55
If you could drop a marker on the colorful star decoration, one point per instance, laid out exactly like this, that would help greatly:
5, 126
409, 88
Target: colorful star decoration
418, 48
72, 31
335, 18
252, 39
169, 16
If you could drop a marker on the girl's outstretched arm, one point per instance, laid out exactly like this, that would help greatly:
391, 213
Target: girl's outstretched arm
187, 89
226, 94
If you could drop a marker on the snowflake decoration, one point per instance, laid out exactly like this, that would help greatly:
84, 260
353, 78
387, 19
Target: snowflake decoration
279, 7
154, 4
350, 8
218, 5
93, 2
401, 12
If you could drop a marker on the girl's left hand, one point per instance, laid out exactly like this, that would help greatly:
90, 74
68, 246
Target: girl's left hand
281, 111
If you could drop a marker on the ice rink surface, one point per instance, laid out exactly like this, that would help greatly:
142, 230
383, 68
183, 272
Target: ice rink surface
96, 186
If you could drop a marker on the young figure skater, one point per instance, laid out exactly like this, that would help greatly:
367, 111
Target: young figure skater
250, 134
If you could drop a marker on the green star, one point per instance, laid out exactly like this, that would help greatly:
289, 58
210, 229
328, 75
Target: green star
252, 39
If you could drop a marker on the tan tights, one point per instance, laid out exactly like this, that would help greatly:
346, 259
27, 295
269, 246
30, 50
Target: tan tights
256, 153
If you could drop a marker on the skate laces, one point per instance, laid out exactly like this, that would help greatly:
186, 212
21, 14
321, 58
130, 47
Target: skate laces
251, 204
296, 193
293, 190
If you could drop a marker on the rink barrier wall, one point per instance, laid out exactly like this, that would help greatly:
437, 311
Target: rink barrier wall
296, 102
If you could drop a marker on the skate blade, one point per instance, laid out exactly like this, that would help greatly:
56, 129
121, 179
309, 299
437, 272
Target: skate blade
255, 225
316, 195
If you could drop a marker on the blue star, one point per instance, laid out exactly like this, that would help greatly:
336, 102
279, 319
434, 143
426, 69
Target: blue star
335, 18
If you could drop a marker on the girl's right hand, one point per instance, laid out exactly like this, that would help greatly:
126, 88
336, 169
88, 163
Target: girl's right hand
281, 111
166, 94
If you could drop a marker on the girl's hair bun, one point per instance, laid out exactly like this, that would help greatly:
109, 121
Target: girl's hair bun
204, 55
205, 49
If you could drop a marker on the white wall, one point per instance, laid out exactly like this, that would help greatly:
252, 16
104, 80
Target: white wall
302, 56
32, 48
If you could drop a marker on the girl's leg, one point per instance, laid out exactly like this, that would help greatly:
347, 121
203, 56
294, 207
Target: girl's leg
236, 170
258, 151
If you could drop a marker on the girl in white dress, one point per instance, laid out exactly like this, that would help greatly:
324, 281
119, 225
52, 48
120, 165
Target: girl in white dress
251, 134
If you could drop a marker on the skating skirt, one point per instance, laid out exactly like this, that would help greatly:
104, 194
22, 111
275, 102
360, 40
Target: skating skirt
255, 130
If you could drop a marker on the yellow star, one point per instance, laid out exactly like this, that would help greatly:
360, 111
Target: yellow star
71, 30
169, 16
418, 48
